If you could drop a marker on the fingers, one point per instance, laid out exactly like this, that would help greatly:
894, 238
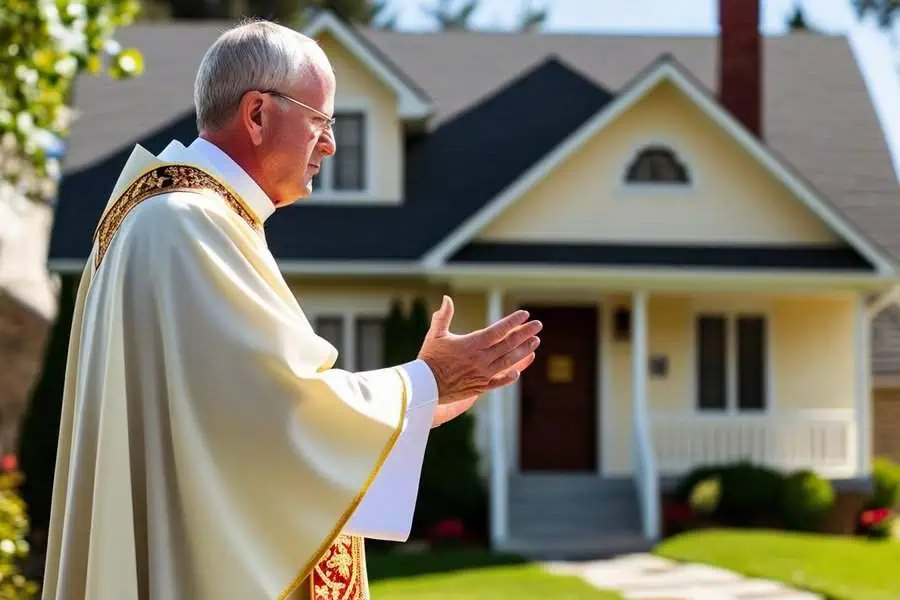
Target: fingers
440, 320
503, 379
511, 375
516, 338
499, 330
520, 352
524, 363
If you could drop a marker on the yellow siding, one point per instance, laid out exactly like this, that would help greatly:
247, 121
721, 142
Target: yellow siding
811, 363
733, 199
358, 88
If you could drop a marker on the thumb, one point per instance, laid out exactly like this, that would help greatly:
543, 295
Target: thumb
440, 320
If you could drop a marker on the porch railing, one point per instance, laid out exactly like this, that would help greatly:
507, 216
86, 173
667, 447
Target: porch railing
821, 440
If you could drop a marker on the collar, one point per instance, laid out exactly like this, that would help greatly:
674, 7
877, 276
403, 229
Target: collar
209, 156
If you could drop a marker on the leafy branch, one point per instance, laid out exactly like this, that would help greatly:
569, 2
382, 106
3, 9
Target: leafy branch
47, 44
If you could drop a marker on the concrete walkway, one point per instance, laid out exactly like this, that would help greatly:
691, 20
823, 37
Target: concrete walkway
648, 577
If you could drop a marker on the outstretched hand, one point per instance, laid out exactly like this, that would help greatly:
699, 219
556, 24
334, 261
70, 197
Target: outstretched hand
467, 366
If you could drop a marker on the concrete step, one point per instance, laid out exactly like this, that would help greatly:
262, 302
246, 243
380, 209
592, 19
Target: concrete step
552, 508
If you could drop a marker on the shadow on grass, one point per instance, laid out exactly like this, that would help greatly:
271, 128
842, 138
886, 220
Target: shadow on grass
384, 563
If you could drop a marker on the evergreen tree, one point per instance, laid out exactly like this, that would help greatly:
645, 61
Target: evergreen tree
532, 18
884, 11
450, 17
289, 12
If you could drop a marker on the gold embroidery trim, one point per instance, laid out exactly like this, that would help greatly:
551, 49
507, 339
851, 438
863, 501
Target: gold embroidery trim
327, 542
161, 180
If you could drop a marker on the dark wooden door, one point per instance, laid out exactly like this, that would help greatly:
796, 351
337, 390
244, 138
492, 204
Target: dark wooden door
558, 393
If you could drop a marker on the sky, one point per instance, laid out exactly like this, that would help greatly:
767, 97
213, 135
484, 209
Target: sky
872, 47
678, 16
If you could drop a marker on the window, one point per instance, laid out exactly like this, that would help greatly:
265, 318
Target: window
346, 170
332, 329
359, 340
369, 343
657, 165
731, 363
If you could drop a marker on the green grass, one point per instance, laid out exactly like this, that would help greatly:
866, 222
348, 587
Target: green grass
840, 568
470, 575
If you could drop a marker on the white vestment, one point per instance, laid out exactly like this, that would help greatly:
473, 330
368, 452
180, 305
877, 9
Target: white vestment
208, 450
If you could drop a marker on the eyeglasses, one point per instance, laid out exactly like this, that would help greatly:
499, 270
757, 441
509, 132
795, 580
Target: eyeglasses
329, 121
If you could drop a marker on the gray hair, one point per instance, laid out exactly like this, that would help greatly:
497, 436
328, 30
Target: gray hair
254, 55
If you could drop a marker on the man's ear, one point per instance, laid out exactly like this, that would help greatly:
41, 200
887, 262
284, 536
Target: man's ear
252, 115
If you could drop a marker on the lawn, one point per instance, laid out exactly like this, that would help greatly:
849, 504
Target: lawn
840, 568
470, 575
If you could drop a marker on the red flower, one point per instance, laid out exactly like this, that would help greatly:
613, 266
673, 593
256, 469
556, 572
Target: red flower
447, 529
679, 511
874, 516
9, 463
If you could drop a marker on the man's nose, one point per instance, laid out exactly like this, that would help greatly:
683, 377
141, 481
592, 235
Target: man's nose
327, 145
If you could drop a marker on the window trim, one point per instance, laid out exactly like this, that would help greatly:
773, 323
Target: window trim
731, 315
328, 195
349, 319
641, 188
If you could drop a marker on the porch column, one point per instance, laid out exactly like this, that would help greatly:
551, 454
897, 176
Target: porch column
499, 499
639, 356
644, 454
863, 389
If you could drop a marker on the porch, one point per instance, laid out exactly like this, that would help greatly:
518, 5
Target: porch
633, 390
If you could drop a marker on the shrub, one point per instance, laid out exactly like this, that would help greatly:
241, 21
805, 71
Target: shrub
876, 523
742, 493
806, 500
686, 484
14, 527
886, 478
706, 495
750, 494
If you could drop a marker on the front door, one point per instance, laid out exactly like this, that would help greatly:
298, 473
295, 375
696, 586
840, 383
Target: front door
558, 409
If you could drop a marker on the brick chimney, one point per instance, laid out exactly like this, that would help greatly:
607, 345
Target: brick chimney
741, 61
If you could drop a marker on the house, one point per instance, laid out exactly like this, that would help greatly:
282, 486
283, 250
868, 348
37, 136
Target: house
707, 227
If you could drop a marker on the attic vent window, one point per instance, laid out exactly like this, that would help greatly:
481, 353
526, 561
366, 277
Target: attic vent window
657, 164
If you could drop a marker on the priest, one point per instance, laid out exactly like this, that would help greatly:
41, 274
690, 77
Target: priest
209, 449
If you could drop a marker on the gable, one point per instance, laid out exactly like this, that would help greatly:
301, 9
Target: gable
354, 79
412, 102
365, 96
665, 69
729, 198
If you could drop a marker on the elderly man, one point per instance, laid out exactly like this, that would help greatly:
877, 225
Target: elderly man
208, 449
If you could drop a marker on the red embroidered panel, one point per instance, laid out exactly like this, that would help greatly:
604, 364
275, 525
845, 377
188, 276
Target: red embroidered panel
340, 574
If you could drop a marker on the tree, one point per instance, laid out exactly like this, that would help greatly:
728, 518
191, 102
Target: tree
452, 19
797, 21
450, 15
884, 11
48, 43
532, 18
291, 12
